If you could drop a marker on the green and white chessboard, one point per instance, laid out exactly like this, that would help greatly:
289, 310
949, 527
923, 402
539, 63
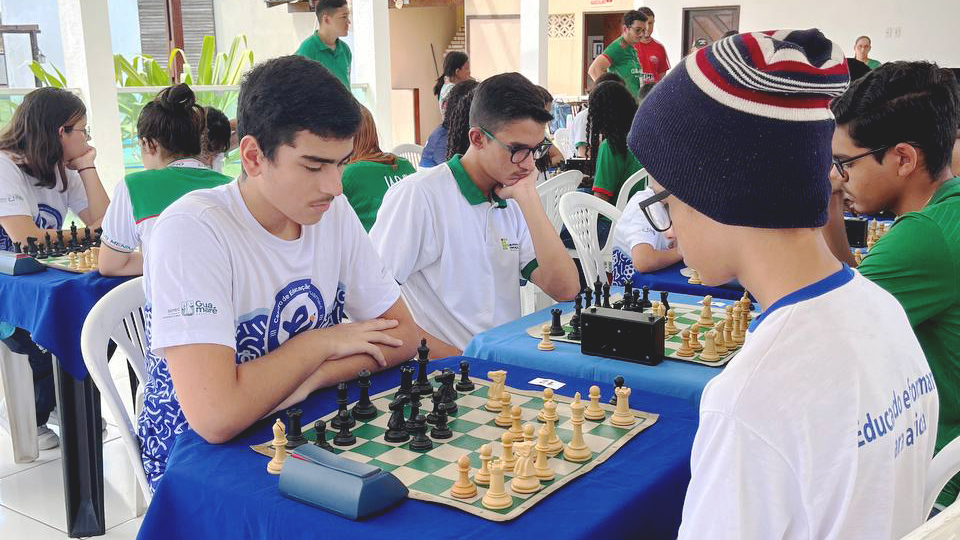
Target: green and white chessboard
429, 475
686, 316
63, 263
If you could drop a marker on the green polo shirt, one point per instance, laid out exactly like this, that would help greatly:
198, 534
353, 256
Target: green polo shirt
624, 62
918, 262
336, 60
612, 170
365, 183
872, 64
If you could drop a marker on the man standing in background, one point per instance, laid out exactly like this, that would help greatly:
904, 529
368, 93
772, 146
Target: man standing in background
651, 53
325, 45
620, 57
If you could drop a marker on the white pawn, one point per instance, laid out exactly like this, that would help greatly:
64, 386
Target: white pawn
504, 418
594, 412
483, 475
722, 349
509, 459
463, 488
622, 417
671, 327
515, 428
545, 343
279, 448
540, 466
528, 432
547, 397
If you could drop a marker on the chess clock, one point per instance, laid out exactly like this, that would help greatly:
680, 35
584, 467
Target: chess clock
623, 335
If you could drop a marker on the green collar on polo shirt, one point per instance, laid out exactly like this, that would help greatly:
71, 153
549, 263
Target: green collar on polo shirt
470, 190
324, 47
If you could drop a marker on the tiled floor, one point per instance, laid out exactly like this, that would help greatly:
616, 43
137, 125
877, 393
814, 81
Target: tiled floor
31, 494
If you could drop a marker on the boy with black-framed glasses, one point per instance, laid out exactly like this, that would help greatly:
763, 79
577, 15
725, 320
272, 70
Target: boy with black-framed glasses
459, 237
642, 239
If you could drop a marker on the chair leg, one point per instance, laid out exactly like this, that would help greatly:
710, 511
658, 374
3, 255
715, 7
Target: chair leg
21, 409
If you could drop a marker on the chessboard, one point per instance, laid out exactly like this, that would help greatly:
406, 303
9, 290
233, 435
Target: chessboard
430, 475
71, 250
79, 263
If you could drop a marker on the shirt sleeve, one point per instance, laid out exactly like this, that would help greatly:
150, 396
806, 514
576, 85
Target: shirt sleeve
404, 234
734, 471
913, 263
190, 285
633, 228
119, 228
607, 174
369, 287
13, 191
76, 192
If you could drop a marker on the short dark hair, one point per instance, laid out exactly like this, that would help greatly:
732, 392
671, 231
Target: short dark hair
646, 11
216, 136
324, 7
289, 94
633, 16
173, 121
608, 76
457, 117
916, 102
505, 98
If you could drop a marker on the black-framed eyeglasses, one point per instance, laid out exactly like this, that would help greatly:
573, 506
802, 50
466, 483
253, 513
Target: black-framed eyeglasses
520, 153
840, 164
657, 214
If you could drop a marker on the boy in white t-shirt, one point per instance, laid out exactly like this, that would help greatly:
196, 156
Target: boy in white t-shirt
823, 426
248, 282
458, 237
637, 244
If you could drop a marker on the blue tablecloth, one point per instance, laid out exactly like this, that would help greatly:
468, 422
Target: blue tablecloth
52, 306
670, 279
510, 344
224, 491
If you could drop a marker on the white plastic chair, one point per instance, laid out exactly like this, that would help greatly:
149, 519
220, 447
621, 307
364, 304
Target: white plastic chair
640, 176
551, 190
943, 526
579, 212
944, 466
561, 138
119, 316
409, 152
20, 403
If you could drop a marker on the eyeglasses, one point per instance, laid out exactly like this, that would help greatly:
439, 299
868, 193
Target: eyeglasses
87, 132
657, 214
520, 153
840, 164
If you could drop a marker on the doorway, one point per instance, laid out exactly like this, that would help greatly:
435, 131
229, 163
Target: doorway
599, 30
708, 23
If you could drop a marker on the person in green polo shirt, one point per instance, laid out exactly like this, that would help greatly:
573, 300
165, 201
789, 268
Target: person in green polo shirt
170, 129
620, 57
861, 50
325, 45
371, 171
896, 128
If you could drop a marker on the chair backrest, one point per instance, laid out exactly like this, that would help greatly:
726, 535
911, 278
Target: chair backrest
561, 138
943, 467
640, 176
118, 316
409, 152
943, 526
551, 190
579, 212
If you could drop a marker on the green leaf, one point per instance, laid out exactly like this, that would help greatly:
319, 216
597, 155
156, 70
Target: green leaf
205, 64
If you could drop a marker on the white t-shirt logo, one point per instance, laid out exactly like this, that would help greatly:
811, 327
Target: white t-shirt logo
299, 306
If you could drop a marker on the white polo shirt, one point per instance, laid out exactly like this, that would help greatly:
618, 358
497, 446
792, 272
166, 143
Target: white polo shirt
633, 229
457, 255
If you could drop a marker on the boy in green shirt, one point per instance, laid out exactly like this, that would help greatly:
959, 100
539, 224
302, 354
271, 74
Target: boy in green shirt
620, 57
325, 45
896, 128
366, 182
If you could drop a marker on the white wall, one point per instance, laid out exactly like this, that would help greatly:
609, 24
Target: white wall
919, 29
271, 32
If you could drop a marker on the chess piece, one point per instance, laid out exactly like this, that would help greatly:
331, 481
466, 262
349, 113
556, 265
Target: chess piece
508, 458
555, 328
545, 343
463, 488
320, 430
442, 429
637, 302
606, 295
342, 408
420, 442
504, 418
437, 400
721, 345
73, 234
72, 261
685, 351
364, 409
295, 437
524, 476
744, 321
617, 383
627, 302
671, 326
515, 428
655, 309
694, 337
645, 301
279, 449
588, 296
597, 292
496, 498
737, 324
710, 353
406, 381
465, 384
411, 425
448, 393
423, 383
344, 437
540, 466
747, 305
575, 334
396, 425
493, 391
694, 278
664, 301
594, 412
728, 329
547, 397
622, 417
858, 255
17, 247
577, 450
482, 478
706, 314
555, 446
528, 432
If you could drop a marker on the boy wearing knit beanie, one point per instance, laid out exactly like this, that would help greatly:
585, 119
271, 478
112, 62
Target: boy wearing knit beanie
896, 128
824, 424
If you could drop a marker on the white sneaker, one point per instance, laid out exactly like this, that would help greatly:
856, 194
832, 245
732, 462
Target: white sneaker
46, 438
54, 420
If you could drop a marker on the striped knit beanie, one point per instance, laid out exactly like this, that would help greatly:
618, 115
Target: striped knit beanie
741, 130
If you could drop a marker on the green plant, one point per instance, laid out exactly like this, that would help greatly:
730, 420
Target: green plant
56, 79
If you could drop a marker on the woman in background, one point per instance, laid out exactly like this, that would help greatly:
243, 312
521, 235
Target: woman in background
435, 151
456, 69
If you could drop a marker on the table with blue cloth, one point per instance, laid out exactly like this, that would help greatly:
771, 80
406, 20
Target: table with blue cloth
51, 305
510, 344
670, 279
224, 491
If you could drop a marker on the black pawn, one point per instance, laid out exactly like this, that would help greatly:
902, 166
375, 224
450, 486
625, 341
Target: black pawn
556, 329
342, 408
320, 428
406, 381
295, 436
645, 301
441, 430
617, 383
61, 244
574, 334
17, 248
87, 239
396, 425
606, 295
420, 442
465, 384
411, 424
588, 296
344, 437
628, 289
437, 405
364, 409
627, 301
664, 295
423, 382
637, 303
597, 292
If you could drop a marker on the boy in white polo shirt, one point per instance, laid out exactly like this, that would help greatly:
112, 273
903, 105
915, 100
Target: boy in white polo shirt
247, 283
460, 236
824, 424
641, 242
